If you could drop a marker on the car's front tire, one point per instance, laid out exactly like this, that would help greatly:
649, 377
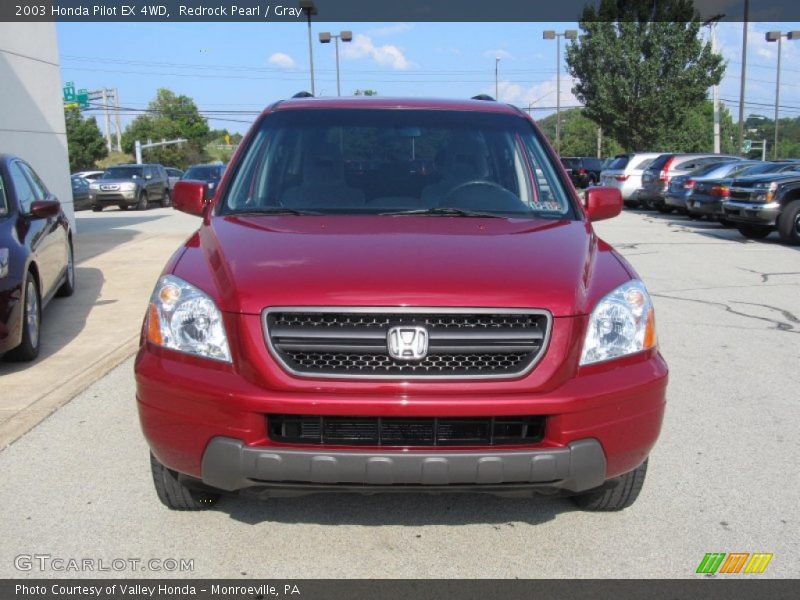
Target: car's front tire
142, 202
166, 201
789, 223
614, 494
174, 494
97, 208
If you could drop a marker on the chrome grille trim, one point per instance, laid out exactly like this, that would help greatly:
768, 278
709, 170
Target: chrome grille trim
370, 341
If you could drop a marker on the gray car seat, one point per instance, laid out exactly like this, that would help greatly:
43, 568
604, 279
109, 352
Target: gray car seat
464, 160
323, 185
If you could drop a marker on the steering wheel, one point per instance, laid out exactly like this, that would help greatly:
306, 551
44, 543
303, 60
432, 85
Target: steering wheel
482, 182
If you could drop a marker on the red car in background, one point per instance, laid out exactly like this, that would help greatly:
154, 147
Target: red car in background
458, 328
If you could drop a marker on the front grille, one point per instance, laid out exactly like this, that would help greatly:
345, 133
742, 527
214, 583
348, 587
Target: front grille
353, 342
395, 431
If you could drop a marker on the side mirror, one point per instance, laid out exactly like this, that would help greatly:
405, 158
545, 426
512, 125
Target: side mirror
44, 209
188, 196
603, 203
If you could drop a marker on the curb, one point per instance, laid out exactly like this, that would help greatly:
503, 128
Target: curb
29, 417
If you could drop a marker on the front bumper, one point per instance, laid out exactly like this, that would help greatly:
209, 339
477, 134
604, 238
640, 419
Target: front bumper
230, 465
114, 199
705, 206
675, 201
187, 405
753, 213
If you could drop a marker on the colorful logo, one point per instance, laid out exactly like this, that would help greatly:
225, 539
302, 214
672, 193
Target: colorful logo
734, 562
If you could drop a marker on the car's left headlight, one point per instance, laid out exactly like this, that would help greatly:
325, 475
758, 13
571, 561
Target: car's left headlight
622, 323
184, 318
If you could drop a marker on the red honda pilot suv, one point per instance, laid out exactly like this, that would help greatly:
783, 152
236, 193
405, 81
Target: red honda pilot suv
346, 321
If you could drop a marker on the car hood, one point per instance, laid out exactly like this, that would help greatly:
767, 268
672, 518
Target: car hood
248, 263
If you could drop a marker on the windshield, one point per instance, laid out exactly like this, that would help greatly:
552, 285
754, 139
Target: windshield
766, 168
397, 161
122, 173
203, 173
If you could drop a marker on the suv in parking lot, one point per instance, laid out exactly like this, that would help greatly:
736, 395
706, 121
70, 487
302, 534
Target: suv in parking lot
656, 178
624, 172
128, 186
460, 328
583, 170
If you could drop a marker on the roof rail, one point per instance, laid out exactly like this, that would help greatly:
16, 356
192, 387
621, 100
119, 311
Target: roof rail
303, 95
485, 97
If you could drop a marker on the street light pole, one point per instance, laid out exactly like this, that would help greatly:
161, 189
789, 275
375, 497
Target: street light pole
496, 84
569, 34
307, 6
325, 38
712, 26
777, 36
744, 72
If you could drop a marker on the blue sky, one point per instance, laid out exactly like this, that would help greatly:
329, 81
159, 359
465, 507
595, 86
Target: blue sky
233, 69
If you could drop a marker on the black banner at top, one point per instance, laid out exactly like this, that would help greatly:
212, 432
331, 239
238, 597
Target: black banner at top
367, 10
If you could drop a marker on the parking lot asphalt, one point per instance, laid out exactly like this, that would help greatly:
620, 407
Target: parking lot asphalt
721, 479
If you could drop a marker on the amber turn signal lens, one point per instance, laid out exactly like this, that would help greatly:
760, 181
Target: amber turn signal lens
650, 330
153, 326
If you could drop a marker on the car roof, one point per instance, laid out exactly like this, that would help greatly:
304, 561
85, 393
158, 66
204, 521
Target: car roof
387, 102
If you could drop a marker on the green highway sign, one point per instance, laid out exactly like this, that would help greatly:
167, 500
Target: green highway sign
69, 92
83, 98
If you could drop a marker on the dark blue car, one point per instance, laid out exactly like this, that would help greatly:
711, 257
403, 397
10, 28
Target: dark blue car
36, 257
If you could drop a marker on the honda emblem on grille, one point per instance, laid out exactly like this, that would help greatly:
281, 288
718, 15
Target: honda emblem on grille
407, 342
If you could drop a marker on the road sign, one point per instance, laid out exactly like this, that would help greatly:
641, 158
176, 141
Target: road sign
83, 98
69, 92
747, 145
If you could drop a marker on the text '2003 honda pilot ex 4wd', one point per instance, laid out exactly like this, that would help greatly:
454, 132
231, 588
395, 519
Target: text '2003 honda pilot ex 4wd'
345, 321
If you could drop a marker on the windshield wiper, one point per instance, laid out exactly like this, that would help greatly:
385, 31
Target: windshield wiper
276, 210
444, 211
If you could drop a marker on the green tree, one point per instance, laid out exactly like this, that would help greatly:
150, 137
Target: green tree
640, 65
85, 143
578, 134
694, 131
170, 117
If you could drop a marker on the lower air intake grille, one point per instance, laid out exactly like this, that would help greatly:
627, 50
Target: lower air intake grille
394, 431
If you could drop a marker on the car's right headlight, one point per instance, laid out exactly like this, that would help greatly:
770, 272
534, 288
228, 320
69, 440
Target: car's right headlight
622, 323
184, 318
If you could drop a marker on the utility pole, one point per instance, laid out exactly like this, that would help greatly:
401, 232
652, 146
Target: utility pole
496, 83
599, 142
107, 119
117, 120
712, 25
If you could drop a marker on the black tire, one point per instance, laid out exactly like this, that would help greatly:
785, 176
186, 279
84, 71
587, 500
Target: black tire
725, 223
754, 232
68, 287
664, 209
174, 494
632, 203
142, 201
28, 349
789, 223
97, 208
166, 201
615, 494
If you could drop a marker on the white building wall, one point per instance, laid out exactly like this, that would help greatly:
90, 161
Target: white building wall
31, 108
